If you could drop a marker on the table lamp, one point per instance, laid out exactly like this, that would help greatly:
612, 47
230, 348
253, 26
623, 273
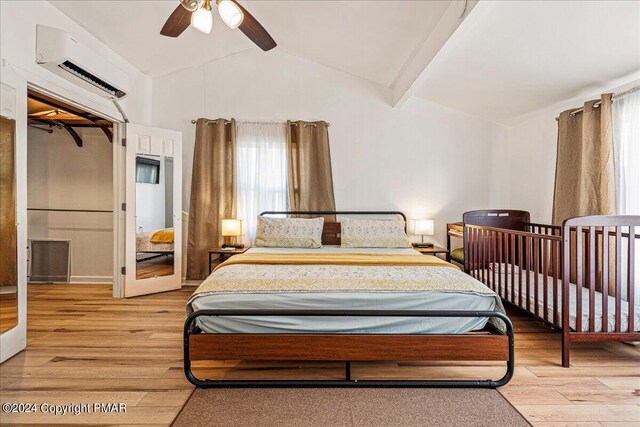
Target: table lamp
232, 228
423, 227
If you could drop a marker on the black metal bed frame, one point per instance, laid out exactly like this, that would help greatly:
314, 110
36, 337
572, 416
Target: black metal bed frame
189, 329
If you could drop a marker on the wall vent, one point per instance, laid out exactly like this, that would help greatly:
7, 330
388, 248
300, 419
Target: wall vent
50, 261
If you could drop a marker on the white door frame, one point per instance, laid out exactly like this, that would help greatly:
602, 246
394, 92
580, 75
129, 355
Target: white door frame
18, 80
13, 105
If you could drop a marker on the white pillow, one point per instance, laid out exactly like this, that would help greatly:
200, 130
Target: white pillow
289, 232
372, 233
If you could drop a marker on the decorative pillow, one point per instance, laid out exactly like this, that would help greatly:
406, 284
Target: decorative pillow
371, 233
289, 232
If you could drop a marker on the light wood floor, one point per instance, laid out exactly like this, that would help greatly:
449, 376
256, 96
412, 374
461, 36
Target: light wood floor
84, 346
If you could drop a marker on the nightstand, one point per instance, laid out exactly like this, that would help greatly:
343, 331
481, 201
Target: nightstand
224, 255
434, 250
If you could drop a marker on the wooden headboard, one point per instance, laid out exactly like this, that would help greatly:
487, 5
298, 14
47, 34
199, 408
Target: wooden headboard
331, 229
498, 218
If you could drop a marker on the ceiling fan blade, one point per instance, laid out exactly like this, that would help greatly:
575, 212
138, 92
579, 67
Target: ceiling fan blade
178, 21
255, 31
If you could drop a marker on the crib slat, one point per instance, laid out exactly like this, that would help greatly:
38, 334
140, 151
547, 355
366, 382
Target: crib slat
618, 279
545, 279
492, 260
527, 247
605, 279
631, 279
500, 263
520, 251
556, 274
579, 282
472, 251
591, 265
536, 260
513, 269
483, 247
472, 255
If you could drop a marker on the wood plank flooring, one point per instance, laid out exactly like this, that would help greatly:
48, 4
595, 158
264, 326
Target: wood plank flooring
85, 346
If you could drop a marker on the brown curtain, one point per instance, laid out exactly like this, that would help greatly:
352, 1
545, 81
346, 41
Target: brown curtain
213, 194
310, 177
585, 175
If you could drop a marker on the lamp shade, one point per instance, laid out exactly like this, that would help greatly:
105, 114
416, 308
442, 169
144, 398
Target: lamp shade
423, 227
232, 227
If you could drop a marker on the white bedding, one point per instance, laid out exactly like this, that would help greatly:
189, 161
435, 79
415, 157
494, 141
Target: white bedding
624, 312
423, 300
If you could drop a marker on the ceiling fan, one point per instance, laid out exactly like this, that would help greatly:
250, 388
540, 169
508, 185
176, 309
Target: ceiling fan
198, 14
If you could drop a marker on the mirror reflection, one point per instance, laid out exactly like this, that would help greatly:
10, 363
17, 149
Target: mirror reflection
8, 228
154, 216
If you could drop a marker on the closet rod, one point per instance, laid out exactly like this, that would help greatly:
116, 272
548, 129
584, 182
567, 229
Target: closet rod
42, 129
69, 210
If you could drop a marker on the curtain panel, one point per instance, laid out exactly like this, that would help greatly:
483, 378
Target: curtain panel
310, 175
213, 191
585, 174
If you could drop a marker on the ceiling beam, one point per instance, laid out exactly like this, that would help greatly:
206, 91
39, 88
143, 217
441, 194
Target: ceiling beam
413, 71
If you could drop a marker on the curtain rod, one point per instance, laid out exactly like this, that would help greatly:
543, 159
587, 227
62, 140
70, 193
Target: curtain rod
597, 104
193, 122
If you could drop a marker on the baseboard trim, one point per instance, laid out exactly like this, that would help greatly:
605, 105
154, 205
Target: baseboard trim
92, 280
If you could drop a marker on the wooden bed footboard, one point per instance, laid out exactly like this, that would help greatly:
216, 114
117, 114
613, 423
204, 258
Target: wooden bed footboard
579, 278
348, 347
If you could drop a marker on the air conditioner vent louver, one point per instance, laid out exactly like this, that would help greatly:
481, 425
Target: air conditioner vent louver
65, 56
90, 78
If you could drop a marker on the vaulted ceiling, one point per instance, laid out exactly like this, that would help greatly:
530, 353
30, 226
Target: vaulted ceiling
510, 58
507, 58
370, 39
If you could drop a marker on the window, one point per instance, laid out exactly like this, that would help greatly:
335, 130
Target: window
626, 134
626, 137
261, 171
147, 171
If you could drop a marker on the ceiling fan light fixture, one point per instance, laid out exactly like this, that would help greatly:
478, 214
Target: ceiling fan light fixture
201, 19
230, 13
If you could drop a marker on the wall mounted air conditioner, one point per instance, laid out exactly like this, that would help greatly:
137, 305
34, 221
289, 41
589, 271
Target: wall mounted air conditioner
60, 53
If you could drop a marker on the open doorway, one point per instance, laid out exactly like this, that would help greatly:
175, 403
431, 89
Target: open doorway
70, 203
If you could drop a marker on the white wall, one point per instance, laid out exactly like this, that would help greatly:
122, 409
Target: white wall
18, 20
423, 159
62, 175
532, 151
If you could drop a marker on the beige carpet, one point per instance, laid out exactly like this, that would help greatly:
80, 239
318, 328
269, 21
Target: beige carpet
348, 407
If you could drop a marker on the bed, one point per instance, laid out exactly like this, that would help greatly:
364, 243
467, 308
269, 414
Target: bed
336, 304
149, 243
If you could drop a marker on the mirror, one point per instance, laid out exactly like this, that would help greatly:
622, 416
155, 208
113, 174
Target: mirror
154, 216
8, 227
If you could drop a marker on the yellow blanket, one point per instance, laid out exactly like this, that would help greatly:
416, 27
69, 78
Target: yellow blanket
337, 259
162, 236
